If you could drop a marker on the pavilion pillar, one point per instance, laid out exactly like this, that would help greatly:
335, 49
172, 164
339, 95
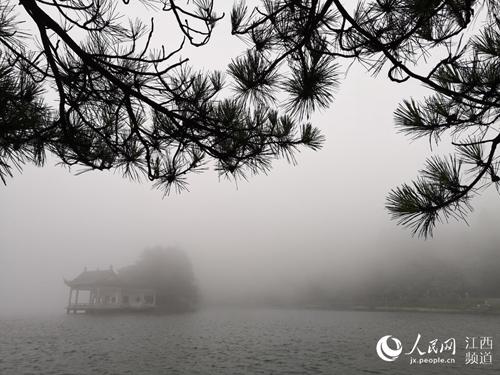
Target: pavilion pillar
118, 296
76, 301
69, 300
154, 298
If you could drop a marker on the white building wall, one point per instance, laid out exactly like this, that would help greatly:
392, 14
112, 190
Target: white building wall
136, 297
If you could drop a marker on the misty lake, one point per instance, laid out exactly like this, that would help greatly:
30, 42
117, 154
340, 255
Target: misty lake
238, 341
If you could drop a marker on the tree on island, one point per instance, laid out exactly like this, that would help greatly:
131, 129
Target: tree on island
169, 272
124, 105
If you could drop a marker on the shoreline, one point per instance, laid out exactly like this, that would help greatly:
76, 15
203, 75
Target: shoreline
448, 310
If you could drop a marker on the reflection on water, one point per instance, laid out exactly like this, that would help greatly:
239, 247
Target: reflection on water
232, 341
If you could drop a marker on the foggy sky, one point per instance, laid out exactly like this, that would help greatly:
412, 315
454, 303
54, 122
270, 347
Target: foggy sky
322, 220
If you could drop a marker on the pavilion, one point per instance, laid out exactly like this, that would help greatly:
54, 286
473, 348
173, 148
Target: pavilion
104, 291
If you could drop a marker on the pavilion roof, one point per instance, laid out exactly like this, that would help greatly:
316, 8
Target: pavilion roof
95, 278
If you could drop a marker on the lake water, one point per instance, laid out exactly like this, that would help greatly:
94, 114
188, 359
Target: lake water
238, 341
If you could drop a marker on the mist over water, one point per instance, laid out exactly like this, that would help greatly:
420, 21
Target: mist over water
321, 222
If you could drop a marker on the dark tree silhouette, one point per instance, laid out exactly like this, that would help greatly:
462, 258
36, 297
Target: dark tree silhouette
125, 102
169, 272
23, 119
295, 47
123, 105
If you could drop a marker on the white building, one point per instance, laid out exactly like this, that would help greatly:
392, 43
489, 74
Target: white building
101, 291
